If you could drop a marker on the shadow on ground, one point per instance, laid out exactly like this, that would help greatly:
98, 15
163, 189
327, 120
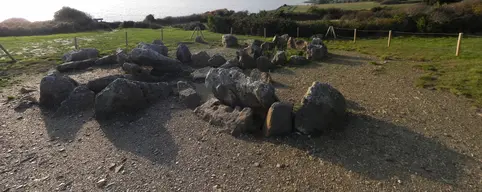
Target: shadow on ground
382, 150
143, 134
346, 60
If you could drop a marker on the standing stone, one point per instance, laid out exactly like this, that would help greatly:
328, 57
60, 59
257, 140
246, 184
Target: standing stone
317, 52
229, 41
297, 60
280, 58
216, 60
76, 65
183, 54
245, 60
264, 64
190, 98
80, 55
200, 59
323, 110
267, 46
54, 89
279, 120
80, 99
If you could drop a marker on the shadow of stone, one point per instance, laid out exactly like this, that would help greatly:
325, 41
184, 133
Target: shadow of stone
351, 105
381, 150
345, 60
279, 85
64, 128
143, 134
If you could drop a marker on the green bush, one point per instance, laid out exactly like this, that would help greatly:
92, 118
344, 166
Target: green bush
67, 14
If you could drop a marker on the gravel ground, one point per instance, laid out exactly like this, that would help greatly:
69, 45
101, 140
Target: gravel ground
397, 138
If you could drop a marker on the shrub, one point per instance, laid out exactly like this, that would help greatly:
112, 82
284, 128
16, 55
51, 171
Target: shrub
67, 14
190, 26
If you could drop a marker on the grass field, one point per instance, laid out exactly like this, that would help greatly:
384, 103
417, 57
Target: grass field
461, 75
348, 6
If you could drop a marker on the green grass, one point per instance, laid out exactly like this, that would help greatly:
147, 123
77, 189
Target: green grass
348, 6
436, 56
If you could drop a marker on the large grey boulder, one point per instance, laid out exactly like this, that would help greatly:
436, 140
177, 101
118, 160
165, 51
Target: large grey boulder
297, 60
279, 120
124, 96
183, 54
159, 62
54, 89
323, 110
257, 75
234, 121
281, 42
280, 58
229, 41
80, 99
245, 60
264, 64
199, 75
80, 55
97, 85
106, 60
233, 88
76, 65
159, 48
216, 60
317, 52
230, 64
190, 98
200, 59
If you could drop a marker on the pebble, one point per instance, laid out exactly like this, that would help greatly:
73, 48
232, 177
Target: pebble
280, 165
119, 168
19, 117
256, 164
61, 149
101, 183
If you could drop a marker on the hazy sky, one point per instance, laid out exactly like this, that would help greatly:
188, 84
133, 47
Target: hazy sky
111, 10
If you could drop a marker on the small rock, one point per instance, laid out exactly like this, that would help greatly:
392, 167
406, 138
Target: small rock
119, 168
190, 98
112, 166
19, 117
61, 149
264, 64
101, 183
256, 164
25, 91
216, 60
62, 187
280, 165
297, 60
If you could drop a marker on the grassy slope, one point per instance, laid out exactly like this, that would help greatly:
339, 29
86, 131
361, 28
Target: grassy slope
348, 6
461, 75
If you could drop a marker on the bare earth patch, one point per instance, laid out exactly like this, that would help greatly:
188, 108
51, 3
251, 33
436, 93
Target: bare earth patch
397, 138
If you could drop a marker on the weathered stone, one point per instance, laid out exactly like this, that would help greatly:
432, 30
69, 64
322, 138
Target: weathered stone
183, 54
256, 43
80, 55
235, 121
267, 46
216, 60
323, 109
233, 88
257, 52
280, 58
230, 64
161, 49
280, 42
76, 65
159, 62
80, 99
317, 41
264, 64
157, 42
182, 85
297, 60
97, 85
317, 52
279, 120
106, 60
200, 74
140, 74
245, 60
190, 98
126, 96
200, 59
229, 41
54, 89
122, 57
257, 75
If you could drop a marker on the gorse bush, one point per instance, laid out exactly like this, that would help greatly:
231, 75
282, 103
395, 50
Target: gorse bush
67, 14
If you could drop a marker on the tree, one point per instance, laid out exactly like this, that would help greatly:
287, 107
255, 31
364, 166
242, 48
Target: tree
67, 14
150, 19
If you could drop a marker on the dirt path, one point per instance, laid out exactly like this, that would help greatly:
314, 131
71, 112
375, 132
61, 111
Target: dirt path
398, 138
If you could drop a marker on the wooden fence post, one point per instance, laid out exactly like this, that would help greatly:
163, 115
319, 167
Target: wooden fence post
298, 32
389, 37
354, 36
264, 32
457, 51
231, 31
162, 34
75, 43
126, 41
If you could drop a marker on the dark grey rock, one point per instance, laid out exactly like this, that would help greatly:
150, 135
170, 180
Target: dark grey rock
80, 55
182, 85
54, 89
76, 65
183, 54
140, 74
230, 64
200, 59
297, 60
190, 98
216, 60
264, 64
97, 85
317, 52
80, 99
245, 60
161, 49
160, 62
279, 120
157, 42
25, 103
106, 60
280, 58
323, 110
122, 57
199, 75
229, 41
257, 75
268, 46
